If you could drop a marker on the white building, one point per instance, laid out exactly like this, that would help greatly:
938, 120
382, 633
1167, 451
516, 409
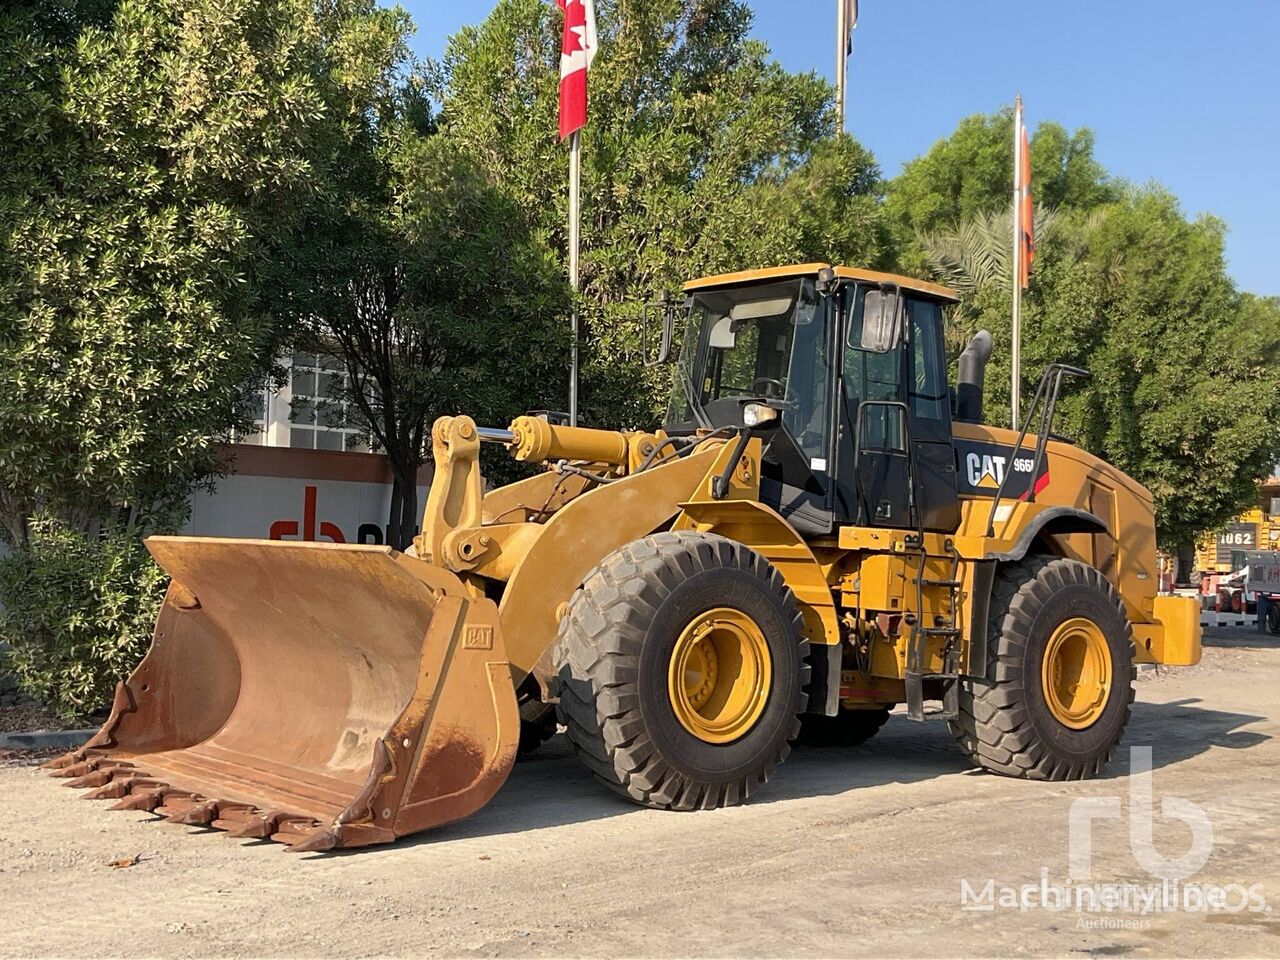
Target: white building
307, 473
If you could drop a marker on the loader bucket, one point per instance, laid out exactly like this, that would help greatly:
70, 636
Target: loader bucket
321, 695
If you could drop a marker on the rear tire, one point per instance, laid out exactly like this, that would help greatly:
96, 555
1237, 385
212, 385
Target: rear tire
848, 728
1273, 617
1059, 679
656, 702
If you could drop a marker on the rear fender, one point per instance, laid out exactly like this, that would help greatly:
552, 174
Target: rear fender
1032, 521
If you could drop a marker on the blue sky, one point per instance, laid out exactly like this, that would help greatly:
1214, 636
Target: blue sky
1184, 93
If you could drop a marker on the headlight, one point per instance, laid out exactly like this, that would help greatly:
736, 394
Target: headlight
757, 414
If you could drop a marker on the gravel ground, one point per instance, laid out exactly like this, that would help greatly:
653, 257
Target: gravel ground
848, 852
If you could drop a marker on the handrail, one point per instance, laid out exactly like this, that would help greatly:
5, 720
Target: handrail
1053, 373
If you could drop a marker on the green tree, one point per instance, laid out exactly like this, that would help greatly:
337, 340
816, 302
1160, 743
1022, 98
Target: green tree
448, 302
166, 163
1185, 396
702, 155
78, 614
970, 174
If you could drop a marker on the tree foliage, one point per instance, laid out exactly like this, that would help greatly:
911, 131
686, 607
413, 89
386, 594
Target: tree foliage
969, 174
162, 170
166, 164
1185, 396
702, 155
78, 613
446, 302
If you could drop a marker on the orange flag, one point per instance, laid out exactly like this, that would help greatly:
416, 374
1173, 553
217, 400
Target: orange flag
1026, 213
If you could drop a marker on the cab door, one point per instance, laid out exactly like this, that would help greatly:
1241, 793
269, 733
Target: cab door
874, 460
905, 470
929, 402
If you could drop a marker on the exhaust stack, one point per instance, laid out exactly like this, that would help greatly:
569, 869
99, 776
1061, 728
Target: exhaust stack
970, 376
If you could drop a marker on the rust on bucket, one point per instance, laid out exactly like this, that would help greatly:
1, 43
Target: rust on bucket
320, 695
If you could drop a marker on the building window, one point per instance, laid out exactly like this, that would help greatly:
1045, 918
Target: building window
253, 405
319, 416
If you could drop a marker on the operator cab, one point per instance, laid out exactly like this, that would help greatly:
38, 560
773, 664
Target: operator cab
854, 362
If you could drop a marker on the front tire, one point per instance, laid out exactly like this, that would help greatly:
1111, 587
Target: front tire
682, 671
1059, 678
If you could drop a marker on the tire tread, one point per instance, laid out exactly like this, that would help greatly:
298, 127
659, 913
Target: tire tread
597, 652
993, 726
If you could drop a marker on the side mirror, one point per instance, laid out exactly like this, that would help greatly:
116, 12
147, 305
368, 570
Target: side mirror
882, 310
666, 307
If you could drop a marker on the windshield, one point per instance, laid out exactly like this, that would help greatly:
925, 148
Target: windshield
767, 341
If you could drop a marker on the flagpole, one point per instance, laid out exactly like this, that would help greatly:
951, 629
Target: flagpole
1015, 385
575, 237
842, 61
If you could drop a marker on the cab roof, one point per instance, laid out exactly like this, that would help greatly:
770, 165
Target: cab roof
934, 290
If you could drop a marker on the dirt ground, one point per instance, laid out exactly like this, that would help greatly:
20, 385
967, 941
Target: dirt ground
848, 852
28, 717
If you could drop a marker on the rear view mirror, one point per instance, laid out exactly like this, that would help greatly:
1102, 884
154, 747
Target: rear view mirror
665, 308
881, 320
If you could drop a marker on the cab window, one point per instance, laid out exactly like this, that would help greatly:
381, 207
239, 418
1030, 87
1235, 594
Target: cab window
929, 398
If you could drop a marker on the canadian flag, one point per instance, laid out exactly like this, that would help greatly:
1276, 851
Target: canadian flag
579, 49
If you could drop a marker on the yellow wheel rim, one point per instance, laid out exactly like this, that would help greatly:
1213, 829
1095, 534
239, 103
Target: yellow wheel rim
720, 675
1076, 673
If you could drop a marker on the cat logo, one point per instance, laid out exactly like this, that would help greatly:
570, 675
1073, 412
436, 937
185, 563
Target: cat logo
985, 470
985, 467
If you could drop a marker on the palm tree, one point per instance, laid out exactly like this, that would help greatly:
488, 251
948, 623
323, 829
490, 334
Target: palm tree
977, 252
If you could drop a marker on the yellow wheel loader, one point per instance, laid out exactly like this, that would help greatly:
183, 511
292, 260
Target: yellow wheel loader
823, 529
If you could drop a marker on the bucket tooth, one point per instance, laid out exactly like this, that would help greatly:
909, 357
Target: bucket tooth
75, 769
259, 827
122, 786
111, 791
319, 842
101, 776
97, 778
231, 815
152, 800
292, 829
147, 800
197, 815
175, 802
76, 763
65, 760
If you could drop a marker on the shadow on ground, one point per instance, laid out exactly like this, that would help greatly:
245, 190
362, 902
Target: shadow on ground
1181, 729
1239, 638
552, 789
